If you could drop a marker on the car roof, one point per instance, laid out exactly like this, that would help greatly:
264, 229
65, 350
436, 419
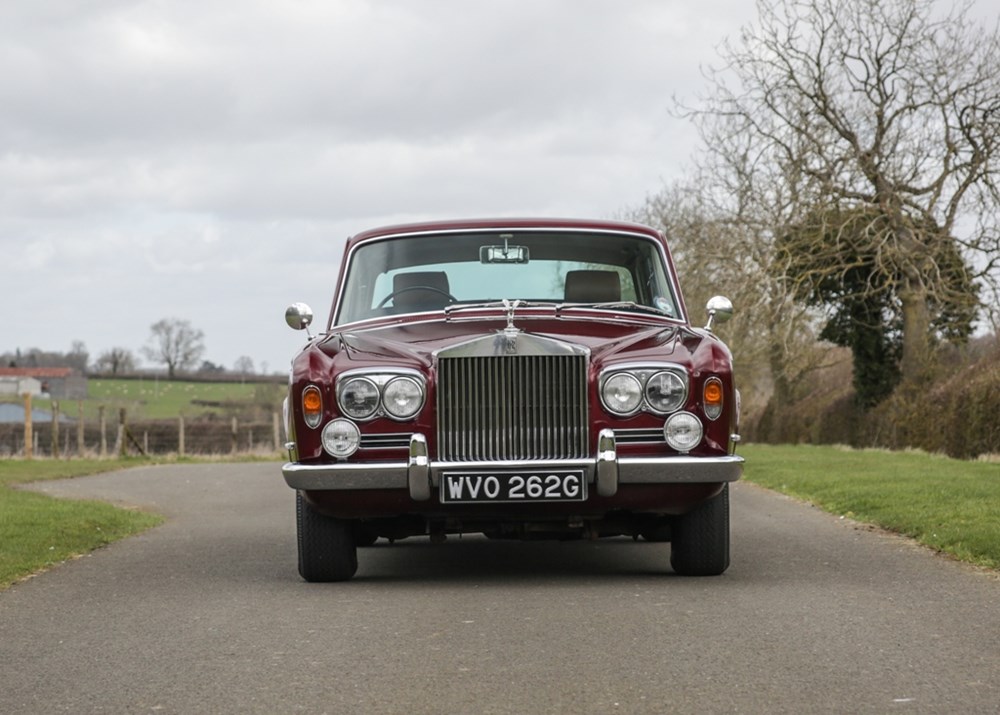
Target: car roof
502, 224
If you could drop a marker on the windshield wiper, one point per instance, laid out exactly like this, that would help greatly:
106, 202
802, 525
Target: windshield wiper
456, 307
617, 305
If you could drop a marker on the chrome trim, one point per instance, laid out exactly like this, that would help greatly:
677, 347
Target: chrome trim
680, 470
631, 470
643, 371
380, 377
417, 469
345, 475
496, 314
511, 343
646, 435
512, 407
607, 464
388, 440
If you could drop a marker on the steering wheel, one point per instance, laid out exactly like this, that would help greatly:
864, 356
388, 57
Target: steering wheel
446, 294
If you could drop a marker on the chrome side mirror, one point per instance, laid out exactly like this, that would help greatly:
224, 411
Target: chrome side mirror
299, 316
719, 309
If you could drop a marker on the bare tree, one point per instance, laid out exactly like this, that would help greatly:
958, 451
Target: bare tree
116, 361
78, 357
885, 110
243, 366
720, 247
176, 344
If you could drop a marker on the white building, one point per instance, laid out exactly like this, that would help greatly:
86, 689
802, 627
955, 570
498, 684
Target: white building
17, 385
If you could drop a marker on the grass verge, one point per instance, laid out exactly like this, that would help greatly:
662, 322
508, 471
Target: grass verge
946, 504
37, 531
949, 505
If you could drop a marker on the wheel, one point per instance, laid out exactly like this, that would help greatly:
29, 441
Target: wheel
326, 545
700, 538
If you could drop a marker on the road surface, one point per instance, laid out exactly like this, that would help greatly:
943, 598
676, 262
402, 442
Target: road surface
206, 614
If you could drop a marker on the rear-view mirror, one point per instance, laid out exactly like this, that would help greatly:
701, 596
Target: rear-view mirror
503, 254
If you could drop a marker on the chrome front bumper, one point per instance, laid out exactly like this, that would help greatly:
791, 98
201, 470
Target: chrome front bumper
607, 470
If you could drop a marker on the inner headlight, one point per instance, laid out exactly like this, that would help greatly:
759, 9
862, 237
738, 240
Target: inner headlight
402, 397
665, 392
683, 431
359, 398
622, 393
341, 438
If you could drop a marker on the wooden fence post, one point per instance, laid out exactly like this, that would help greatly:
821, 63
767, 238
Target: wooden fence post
55, 429
104, 431
235, 435
79, 428
120, 447
180, 436
276, 426
29, 440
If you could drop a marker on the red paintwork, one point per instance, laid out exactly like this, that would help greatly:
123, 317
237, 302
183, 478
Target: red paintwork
411, 344
410, 341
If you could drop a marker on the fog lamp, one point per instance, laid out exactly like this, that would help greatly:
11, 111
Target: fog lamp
683, 431
341, 438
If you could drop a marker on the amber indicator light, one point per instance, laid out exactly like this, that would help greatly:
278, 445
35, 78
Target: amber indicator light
713, 393
311, 400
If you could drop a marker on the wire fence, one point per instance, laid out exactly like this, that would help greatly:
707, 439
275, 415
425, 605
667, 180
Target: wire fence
112, 434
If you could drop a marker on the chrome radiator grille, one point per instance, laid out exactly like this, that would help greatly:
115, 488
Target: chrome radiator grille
512, 407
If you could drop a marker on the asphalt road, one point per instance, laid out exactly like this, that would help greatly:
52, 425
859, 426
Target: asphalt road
207, 614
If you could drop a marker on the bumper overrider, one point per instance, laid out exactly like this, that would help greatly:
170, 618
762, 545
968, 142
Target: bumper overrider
606, 470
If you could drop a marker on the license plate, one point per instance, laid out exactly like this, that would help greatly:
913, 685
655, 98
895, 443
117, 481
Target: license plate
513, 487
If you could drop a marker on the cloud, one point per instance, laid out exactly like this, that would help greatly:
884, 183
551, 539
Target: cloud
206, 159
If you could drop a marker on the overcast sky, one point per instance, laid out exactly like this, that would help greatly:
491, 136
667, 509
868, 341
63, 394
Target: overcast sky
205, 159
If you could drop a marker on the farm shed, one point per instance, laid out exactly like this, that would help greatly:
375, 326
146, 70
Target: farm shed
16, 386
58, 382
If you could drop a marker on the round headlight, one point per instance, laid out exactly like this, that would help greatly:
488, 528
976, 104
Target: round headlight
359, 398
622, 393
665, 392
402, 397
683, 431
341, 438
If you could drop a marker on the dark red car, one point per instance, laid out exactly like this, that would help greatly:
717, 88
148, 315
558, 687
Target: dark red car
518, 378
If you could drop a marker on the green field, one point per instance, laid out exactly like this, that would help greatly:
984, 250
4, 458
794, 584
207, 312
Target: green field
153, 399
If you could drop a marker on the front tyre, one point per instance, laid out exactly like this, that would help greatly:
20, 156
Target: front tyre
326, 545
700, 538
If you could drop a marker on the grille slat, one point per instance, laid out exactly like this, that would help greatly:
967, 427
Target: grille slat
512, 408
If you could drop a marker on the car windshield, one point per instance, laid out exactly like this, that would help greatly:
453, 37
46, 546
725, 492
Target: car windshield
424, 273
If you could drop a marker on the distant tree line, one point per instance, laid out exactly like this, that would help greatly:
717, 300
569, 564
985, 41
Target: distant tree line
173, 344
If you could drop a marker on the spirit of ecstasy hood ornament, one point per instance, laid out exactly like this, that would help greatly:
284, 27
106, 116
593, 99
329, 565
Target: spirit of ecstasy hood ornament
510, 307
511, 332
